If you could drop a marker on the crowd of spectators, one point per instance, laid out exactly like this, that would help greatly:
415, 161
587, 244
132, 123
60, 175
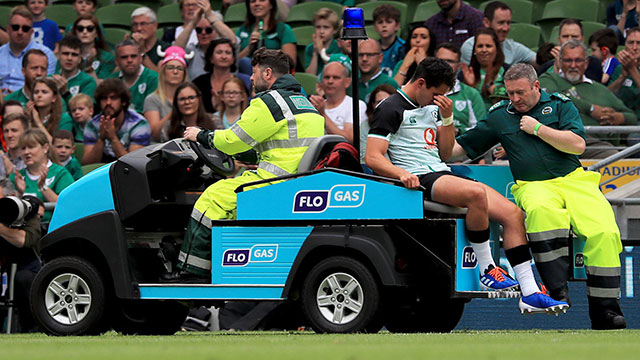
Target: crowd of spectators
70, 98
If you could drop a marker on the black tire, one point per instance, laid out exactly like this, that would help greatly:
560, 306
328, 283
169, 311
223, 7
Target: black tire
363, 289
441, 315
68, 297
149, 317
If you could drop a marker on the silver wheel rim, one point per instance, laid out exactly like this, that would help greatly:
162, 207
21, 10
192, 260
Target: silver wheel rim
340, 298
68, 299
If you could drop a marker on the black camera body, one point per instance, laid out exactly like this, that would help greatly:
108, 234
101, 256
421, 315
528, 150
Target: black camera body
14, 210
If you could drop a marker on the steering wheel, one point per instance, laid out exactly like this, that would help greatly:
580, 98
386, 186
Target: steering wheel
214, 159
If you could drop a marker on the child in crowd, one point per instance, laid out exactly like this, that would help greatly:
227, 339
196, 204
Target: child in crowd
386, 22
604, 44
81, 110
45, 31
64, 147
325, 22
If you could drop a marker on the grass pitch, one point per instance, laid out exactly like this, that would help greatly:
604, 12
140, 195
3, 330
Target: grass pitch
471, 345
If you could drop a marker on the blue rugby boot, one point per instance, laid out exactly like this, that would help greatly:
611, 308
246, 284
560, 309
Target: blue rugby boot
495, 278
541, 303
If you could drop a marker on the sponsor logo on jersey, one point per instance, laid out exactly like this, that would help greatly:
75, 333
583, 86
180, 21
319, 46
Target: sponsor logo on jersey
430, 136
339, 196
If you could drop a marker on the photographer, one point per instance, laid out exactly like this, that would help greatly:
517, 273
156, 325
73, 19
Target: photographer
19, 244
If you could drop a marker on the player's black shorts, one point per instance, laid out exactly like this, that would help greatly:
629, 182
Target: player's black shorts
427, 181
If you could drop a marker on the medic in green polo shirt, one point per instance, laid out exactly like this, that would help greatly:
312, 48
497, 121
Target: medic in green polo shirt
140, 80
70, 79
543, 136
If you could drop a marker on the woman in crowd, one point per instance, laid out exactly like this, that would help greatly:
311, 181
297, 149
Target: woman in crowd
262, 28
98, 61
45, 108
187, 110
220, 67
157, 106
378, 94
43, 177
417, 48
486, 67
234, 100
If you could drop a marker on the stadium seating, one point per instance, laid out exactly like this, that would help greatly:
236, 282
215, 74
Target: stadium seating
555, 11
169, 15
302, 14
114, 35
588, 28
4, 14
308, 82
235, 15
526, 34
116, 15
62, 14
369, 7
521, 10
424, 11
303, 36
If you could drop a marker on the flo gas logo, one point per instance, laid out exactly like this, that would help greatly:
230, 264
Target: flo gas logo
469, 259
256, 254
339, 196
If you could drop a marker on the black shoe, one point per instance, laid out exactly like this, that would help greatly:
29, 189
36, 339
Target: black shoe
610, 321
561, 294
184, 277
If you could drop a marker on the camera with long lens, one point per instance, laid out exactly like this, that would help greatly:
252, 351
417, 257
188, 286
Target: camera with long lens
14, 210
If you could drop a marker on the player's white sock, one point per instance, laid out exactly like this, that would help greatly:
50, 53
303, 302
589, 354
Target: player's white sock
483, 255
525, 278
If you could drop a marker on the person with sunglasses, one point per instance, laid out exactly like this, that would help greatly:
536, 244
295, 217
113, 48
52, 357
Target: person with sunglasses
97, 58
157, 106
20, 30
207, 26
220, 67
144, 24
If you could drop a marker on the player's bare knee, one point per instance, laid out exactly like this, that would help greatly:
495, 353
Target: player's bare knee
476, 197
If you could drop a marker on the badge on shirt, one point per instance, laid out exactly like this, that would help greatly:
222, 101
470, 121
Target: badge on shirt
627, 83
547, 110
95, 65
461, 31
49, 181
461, 104
142, 87
74, 90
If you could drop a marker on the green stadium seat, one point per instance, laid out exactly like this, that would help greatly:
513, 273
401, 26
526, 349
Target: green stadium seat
235, 15
169, 15
526, 34
303, 36
521, 10
424, 11
302, 14
90, 167
153, 4
588, 28
62, 14
114, 35
79, 152
308, 82
369, 7
4, 15
555, 11
117, 15
371, 32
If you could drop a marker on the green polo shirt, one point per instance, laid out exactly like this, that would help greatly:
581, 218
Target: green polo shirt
584, 95
146, 83
530, 158
380, 78
81, 82
20, 96
628, 92
282, 35
468, 106
309, 53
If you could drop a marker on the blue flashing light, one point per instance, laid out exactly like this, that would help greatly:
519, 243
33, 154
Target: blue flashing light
353, 18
